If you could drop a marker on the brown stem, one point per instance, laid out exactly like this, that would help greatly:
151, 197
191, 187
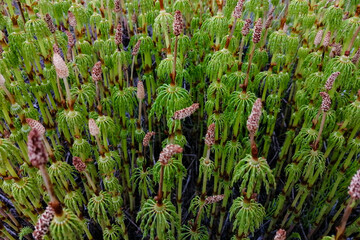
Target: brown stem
8, 94
248, 68
161, 5
320, 130
173, 74
160, 192
198, 217
341, 229
228, 39
347, 53
254, 150
48, 184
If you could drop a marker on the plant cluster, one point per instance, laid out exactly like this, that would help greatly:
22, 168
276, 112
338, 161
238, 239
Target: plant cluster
179, 119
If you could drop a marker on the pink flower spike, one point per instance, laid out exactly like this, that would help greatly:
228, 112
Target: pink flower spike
210, 135
36, 149
168, 152
178, 23
326, 101
93, 128
280, 235
354, 187
147, 138
186, 112
254, 118
330, 81
79, 164
43, 224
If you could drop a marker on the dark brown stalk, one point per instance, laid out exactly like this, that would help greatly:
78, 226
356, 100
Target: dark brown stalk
341, 229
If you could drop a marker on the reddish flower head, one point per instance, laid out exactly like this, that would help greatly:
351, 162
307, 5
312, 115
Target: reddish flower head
354, 188
254, 118
36, 149
168, 152
186, 112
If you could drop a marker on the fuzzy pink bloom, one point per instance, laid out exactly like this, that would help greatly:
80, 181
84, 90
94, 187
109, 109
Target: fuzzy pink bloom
168, 152
136, 48
214, 199
254, 118
79, 164
93, 128
178, 23
147, 138
326, 101
118, 34
140, 90
37, 125
72, 19
327, 39
238, 9
43, 224
36, 149
280, 235
186, 112
335, 50
330, 81
318, 37
71, 40
50, 23
2, 80
354, 187
356, 57
117, 6
96, 72
62, 70
257, 31
246, 28
210, 135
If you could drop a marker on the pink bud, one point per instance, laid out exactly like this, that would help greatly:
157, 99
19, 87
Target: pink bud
36, 149
147, 138
214, 199
96, 72
71, 40
257, 31
318, 37
37, 125
43, 224
61, 69
178, 23
254, 118
93, 128
354, 187
327, 39
330, 81
210, 135
280, 235
246, 28
118, 34
79, 164
140, 90
136, 48
117, 6
50, 23
326, 102
72, 19
168, 152
186, 112
238, 9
